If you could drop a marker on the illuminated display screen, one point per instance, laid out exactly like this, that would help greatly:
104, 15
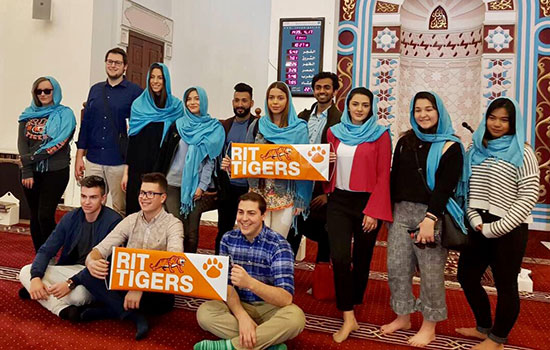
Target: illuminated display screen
300, 53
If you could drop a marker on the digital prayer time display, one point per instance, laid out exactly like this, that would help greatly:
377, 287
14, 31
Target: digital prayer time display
300, 53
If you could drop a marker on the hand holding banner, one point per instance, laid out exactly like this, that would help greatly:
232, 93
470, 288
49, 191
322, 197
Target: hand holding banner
198, 275
292, 162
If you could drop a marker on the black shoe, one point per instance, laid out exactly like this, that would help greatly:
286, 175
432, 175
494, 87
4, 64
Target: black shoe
95, 314
142, 326
70, 313
24, 293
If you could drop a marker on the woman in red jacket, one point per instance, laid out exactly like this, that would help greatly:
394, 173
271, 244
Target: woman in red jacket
359, 200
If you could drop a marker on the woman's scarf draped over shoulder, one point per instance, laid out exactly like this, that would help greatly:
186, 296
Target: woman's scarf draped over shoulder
204, 136
507, 147
295, 133
445, 132
351, 134
145, 111
61, 121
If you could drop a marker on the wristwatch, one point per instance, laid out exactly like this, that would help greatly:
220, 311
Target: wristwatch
71, 284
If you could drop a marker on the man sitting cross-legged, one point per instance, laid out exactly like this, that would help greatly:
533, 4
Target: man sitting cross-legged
150, 228
58, 287
259, 313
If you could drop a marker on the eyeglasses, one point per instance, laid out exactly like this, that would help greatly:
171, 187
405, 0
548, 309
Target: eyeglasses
114, 63
149, 194
39, 92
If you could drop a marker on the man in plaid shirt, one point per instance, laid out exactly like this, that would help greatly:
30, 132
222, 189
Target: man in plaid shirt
259, 313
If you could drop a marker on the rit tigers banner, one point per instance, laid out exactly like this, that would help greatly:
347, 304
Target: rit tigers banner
292, 162
198, 275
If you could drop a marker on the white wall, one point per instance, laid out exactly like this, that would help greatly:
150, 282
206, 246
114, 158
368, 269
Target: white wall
304, 8
33, 48
217, 44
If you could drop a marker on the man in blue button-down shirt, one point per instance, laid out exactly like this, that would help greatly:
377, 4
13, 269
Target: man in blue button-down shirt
259, 313
107, 108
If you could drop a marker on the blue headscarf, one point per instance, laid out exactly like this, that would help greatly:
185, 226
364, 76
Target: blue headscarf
295, 133
445, 132
145, 111
507, 147
351, 134
205, 136
61, 121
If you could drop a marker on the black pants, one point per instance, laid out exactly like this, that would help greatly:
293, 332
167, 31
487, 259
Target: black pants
43, 199
150, 303
504, 255
227, 211
315, 229
344, 222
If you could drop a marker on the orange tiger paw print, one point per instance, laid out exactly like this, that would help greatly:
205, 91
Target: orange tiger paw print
317, 154
212, 268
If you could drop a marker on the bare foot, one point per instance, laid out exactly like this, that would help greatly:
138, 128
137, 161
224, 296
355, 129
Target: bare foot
488, 344
471, 332
350, 324
401, 322
425, 335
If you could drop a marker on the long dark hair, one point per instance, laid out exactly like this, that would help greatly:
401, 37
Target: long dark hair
160, 99
510, 108
361, 91
281, 86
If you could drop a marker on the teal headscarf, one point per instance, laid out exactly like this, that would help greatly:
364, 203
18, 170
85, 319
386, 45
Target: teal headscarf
145, 111
204, 136
61, 121
295, 133
445, 132
507, 147
351, 134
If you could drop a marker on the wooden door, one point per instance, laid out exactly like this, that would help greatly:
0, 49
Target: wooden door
142, 52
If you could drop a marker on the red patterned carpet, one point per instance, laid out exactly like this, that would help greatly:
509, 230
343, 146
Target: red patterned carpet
26, 325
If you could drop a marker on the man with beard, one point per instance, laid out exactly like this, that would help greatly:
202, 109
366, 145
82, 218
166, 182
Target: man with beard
322, 115
103, 130
235, 131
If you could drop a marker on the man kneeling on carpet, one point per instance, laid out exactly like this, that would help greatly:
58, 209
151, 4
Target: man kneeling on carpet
150, 228
58, 287
259, 313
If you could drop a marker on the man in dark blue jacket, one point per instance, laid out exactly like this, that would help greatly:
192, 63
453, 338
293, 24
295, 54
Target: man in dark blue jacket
57, 287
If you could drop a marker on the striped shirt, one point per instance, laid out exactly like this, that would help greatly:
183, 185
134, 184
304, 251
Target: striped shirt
505, 191
268, 259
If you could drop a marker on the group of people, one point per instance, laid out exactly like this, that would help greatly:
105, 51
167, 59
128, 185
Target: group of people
176, 156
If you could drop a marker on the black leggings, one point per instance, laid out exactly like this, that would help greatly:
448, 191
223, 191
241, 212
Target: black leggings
43, 199
344, 222
504, 255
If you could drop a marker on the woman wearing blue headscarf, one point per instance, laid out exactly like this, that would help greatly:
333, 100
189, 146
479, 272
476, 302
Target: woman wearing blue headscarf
359, 200
426, 168
187, 158
280, 125
45, 130
503, 176
152, 114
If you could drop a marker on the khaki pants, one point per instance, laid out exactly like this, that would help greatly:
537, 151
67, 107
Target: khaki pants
112, 174
55, 274
275, 324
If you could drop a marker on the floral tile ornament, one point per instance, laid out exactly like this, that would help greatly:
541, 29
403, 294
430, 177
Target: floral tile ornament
498, 39
386, 40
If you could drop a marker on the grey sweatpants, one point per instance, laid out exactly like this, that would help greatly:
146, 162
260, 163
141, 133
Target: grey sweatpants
403, 256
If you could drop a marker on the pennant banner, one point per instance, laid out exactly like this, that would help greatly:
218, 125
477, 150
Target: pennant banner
197, 275
293, 162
